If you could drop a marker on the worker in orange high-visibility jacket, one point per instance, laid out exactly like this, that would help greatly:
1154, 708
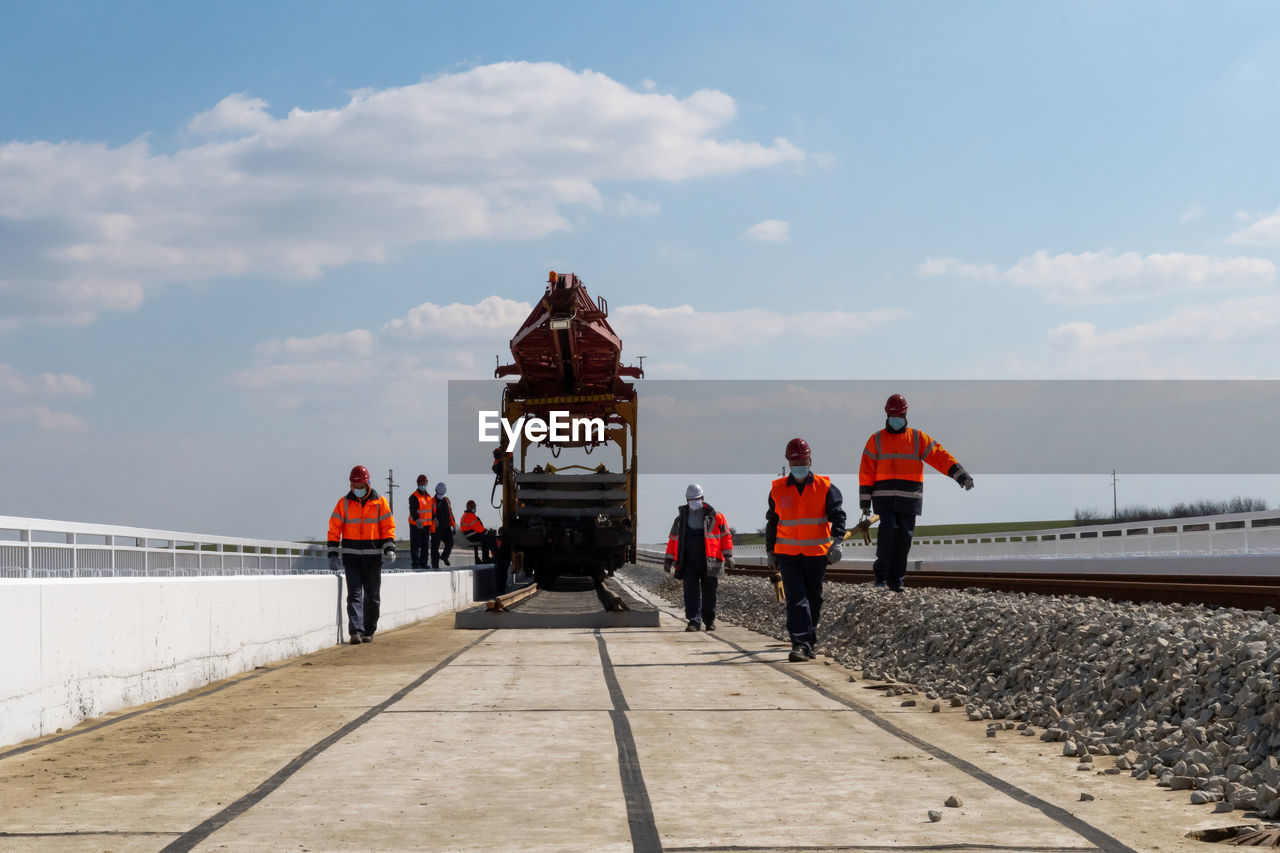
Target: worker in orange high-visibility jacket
891, 482
700, 548
804, 526
422, 521
362, 530
475, 533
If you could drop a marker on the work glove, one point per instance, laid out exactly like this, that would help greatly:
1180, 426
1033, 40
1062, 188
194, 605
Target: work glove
772, 562
388, 555
335, 562
776, 580
965, 479
866, 513
834, 553
667, 563
728, 562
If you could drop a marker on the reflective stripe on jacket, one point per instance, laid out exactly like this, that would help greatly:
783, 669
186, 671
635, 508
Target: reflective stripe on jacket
361, 526
803, 526
471, 523
892, 470
422, 510
715, 534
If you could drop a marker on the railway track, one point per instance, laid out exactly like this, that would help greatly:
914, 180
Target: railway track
1247, 592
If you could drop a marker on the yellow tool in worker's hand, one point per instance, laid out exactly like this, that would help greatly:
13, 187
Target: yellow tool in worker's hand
776, 580
863, 527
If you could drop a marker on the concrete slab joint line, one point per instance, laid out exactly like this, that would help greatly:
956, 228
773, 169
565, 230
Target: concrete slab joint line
198, 834
640, 820
1061, 816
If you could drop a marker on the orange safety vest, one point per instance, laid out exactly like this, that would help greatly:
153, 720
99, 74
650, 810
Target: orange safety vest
803, 528
471, 523
362, 527
425, 507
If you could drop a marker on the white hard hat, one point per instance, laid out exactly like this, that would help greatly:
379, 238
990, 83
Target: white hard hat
440, 489
694, 491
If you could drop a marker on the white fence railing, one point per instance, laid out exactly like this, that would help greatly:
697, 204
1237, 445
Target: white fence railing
1216, 535
41, 548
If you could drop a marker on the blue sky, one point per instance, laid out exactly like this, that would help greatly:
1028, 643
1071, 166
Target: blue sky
244, 246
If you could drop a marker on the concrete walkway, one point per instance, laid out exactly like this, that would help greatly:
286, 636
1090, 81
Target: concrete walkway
652, 739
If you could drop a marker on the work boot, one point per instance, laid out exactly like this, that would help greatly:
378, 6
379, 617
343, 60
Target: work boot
355, 638
445, 560
879, 583
797, 654
366, 638
809, 652
692, 626
711, 626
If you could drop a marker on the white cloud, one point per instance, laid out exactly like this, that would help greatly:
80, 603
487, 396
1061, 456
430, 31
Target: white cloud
629, 205
1193, 212
1264, 232
650, 329
13, 381
1107, 276
496, 152
648, 85
433, 343
768, 231
42, 417
491, 316
1198, 341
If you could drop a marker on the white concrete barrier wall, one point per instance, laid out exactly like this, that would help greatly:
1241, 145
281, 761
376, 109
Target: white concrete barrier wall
84, 647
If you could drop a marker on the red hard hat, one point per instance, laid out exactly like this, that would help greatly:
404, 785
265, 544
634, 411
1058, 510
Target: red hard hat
359, 474
471, 506
422, 478
797, 449
895, 405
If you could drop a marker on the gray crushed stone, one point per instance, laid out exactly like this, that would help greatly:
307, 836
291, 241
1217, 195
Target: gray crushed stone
1184, 696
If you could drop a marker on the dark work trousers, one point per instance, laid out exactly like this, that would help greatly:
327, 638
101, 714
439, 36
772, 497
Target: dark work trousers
441, 536
802, 584
419, 545
893, 543
487, 541
699, 590
364, 591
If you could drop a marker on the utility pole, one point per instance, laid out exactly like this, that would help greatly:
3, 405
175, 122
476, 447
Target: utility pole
1115, 507
391, 492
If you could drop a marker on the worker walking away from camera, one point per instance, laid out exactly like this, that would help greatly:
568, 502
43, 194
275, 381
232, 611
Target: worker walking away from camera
422, 521
491, 551
445, 525
363, 532
891, 481
700, 548
803, 530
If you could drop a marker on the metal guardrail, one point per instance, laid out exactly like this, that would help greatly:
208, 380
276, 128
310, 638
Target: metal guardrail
43, 548
1203, 536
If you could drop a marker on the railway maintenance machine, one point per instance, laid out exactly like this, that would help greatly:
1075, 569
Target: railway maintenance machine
569, 503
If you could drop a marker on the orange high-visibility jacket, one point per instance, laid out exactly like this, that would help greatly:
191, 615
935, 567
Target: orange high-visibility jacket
362, 526
892, 470
715, 535
804, 518
422, 510
471, 523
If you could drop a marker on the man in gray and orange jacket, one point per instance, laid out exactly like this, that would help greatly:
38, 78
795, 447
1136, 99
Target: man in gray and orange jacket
363, 532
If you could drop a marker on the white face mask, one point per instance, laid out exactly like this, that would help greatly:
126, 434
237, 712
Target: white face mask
423, 488
359, 492
695, 504
800, 471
